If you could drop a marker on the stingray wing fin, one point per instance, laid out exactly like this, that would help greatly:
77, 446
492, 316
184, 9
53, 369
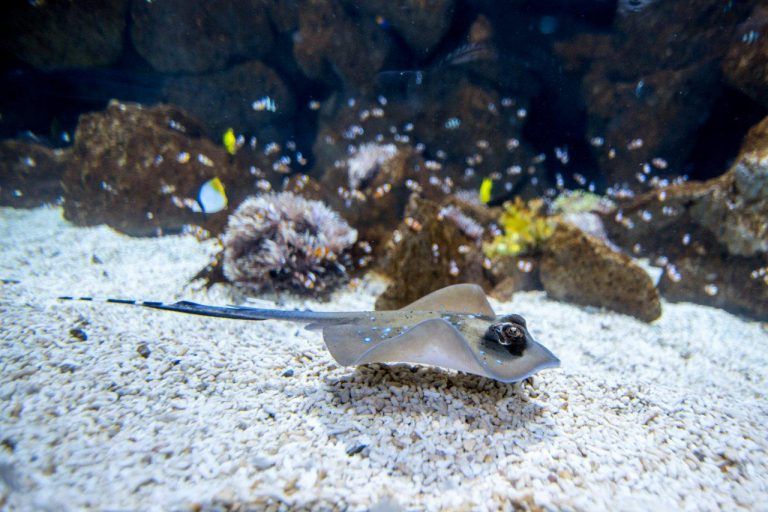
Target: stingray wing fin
458, 298
433, 342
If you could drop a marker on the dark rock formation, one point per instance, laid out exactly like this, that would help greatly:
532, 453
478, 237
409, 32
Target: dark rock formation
746, 64
432, 249
463, 131
712, 237
331, 45
650, 86
30, 174
58, 34
226, 99
579, 268
181, 36
139, 170
421, 24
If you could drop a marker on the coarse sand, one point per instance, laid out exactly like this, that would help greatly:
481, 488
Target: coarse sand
110, 407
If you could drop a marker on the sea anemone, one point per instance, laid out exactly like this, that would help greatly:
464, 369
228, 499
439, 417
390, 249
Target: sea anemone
283, 241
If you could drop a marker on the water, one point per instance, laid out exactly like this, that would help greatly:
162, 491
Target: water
605, 160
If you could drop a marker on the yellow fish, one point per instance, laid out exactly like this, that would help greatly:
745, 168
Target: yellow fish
230, 141
485, 190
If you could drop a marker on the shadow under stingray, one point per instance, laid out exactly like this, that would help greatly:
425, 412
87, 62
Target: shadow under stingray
393, 414
400, 391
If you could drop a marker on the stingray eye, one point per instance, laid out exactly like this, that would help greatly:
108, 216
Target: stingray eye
509, 334
512, 333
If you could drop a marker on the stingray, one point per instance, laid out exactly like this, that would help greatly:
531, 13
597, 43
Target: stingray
454, 327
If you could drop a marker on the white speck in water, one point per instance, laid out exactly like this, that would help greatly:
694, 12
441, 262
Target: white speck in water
673, 274
597, 141
710, 289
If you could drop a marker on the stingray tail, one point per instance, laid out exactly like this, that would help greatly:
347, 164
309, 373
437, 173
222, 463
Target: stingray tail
234, 312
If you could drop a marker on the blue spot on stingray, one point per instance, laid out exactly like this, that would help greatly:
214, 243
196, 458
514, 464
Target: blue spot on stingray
367, 340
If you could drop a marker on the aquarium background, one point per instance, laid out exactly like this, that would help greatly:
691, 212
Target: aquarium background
598, 167
127, 113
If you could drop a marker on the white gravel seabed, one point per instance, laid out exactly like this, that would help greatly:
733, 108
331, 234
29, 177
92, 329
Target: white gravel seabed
670, 415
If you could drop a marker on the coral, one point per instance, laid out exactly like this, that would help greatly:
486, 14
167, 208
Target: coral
366, 162
579, 268
524, 230
283, 241
580, 201
466, 224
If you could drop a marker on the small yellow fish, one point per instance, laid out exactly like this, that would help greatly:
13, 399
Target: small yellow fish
230, 141
485, 190
212, 196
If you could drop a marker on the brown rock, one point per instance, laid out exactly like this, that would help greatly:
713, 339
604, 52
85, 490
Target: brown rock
421, 24
181, 36
430, 250
58, 34
330, 45
711, 236
580, 268
746, 64
139, 170
513, 274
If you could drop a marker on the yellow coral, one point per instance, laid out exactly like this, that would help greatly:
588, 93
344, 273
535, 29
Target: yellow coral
524, 229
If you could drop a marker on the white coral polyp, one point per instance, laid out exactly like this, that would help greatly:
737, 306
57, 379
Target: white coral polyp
364, 163
286, 241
